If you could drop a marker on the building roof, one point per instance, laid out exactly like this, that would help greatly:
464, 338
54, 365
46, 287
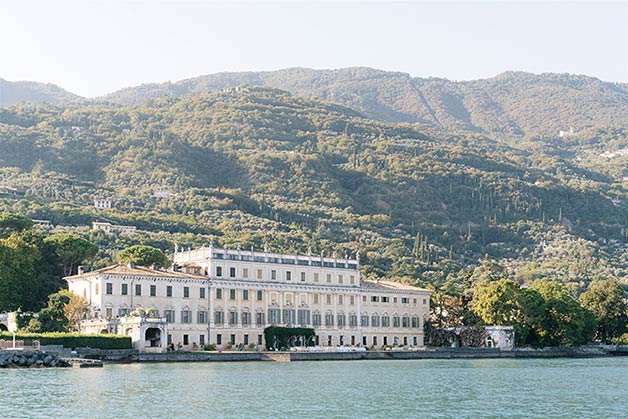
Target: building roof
120, 269
390, 285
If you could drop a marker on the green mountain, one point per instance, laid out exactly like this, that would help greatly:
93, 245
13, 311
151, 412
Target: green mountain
510, 104
13, 92
256, 164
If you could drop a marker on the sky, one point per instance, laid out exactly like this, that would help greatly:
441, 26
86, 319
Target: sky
93, 47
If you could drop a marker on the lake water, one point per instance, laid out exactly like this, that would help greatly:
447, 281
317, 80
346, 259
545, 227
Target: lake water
489, 388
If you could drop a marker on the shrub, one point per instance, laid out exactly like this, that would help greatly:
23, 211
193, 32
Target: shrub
74, 340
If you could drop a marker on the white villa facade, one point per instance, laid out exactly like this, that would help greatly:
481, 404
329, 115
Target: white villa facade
228, 297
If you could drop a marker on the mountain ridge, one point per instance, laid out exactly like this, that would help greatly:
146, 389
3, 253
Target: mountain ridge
510, 104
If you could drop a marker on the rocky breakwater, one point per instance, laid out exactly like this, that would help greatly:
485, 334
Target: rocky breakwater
30, 359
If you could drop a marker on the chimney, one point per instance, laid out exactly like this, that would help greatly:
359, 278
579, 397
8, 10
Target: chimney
81, 270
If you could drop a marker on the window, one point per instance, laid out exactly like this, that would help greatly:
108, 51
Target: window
245, 273
303, 316
352, 300
352, 279
232, 339
201, 340
260, 296
245, 294
186, 339
97, 289
340, 299
364, 298
405, 321
274, 315
259, 274
232, 272
328, 277
186, 292
414, 301
201, 293
385, 321
316, 277
395, 300
273, 274
186, 316
315, 298
374, 340
342, 320
218, 339
329, 319
259, 339
109, 288
405, 341
374, 299
169, 291
340, 279
169, 315
232, 294
328, 298
288, 275
219, 317
414, 341
201, 316
218, 293
288, 316
353, 320
364, 321
375, 320
259, 319
385, 299
396, 321
124, 312
246, 339
415, 322
218, 270
316, 319
124, 289
233, 318
246, 318
109, 312
405, 300
425, 301
153, 290
138, 289
302, 276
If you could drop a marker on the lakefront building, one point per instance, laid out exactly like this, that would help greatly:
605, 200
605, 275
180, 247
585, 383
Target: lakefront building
227, 297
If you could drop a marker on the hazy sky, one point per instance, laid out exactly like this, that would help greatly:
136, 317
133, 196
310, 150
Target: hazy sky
95, 47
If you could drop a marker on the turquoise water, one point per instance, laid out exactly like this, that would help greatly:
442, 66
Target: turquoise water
494, 388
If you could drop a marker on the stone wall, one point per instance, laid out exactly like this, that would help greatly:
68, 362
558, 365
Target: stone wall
30, 359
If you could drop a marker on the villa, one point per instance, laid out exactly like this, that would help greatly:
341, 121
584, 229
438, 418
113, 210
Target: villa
227, 297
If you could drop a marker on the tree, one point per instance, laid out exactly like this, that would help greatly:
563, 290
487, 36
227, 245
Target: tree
75, 310
18, 261
496, 302
605, 299
72, 250
144, 256
565, 321
13, 223
52, 318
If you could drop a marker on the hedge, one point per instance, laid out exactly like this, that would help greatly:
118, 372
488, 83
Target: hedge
74, 340
283, 335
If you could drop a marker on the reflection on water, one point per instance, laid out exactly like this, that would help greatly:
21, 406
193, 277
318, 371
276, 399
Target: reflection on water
500, 388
